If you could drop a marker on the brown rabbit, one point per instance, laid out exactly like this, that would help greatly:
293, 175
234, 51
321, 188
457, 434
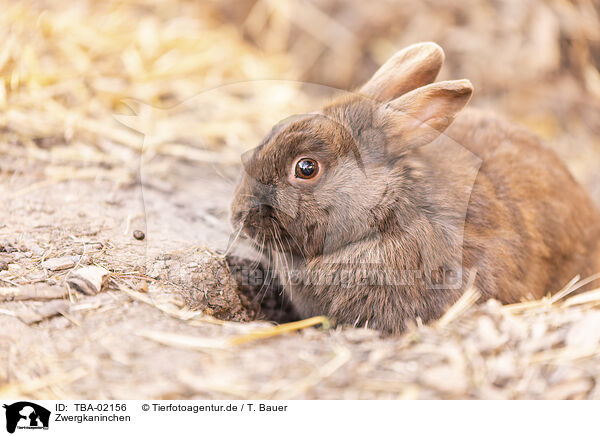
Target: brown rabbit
377, 210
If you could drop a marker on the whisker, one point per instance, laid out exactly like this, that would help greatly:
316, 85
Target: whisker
282, 253
220, 174
232, 242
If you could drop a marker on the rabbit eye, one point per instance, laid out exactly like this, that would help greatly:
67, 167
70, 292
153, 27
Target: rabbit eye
306, 168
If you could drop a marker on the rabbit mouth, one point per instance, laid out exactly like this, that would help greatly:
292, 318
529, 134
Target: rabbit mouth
275, 238
269, 234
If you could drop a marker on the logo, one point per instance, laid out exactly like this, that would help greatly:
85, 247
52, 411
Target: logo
26, 415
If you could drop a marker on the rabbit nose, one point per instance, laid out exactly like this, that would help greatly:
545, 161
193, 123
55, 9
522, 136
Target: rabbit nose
257, 215
262, 211
258, 211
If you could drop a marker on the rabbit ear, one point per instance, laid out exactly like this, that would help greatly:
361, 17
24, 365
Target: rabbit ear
421, 115
411, 68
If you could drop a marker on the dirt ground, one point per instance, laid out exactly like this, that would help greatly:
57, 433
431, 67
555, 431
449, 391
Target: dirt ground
168, 319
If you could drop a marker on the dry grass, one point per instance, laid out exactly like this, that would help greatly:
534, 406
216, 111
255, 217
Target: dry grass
71, 76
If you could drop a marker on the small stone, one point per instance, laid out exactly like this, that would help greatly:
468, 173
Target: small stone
33, 247
88, 280
143, 286
7, 247
139, 235
58, 263
41, 313
3, 266
36, 291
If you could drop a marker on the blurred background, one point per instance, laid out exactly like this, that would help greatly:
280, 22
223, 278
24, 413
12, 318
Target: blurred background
66, 66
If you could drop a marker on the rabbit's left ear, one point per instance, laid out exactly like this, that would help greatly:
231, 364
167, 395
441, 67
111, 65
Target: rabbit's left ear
415, 66
420, 116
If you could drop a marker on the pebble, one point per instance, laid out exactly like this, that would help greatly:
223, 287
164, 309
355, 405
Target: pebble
7, 247
139, 235
88, 280
58, 263
33, 247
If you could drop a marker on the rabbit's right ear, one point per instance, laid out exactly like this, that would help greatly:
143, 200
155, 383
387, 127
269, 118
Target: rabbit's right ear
420, 116
415, 66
